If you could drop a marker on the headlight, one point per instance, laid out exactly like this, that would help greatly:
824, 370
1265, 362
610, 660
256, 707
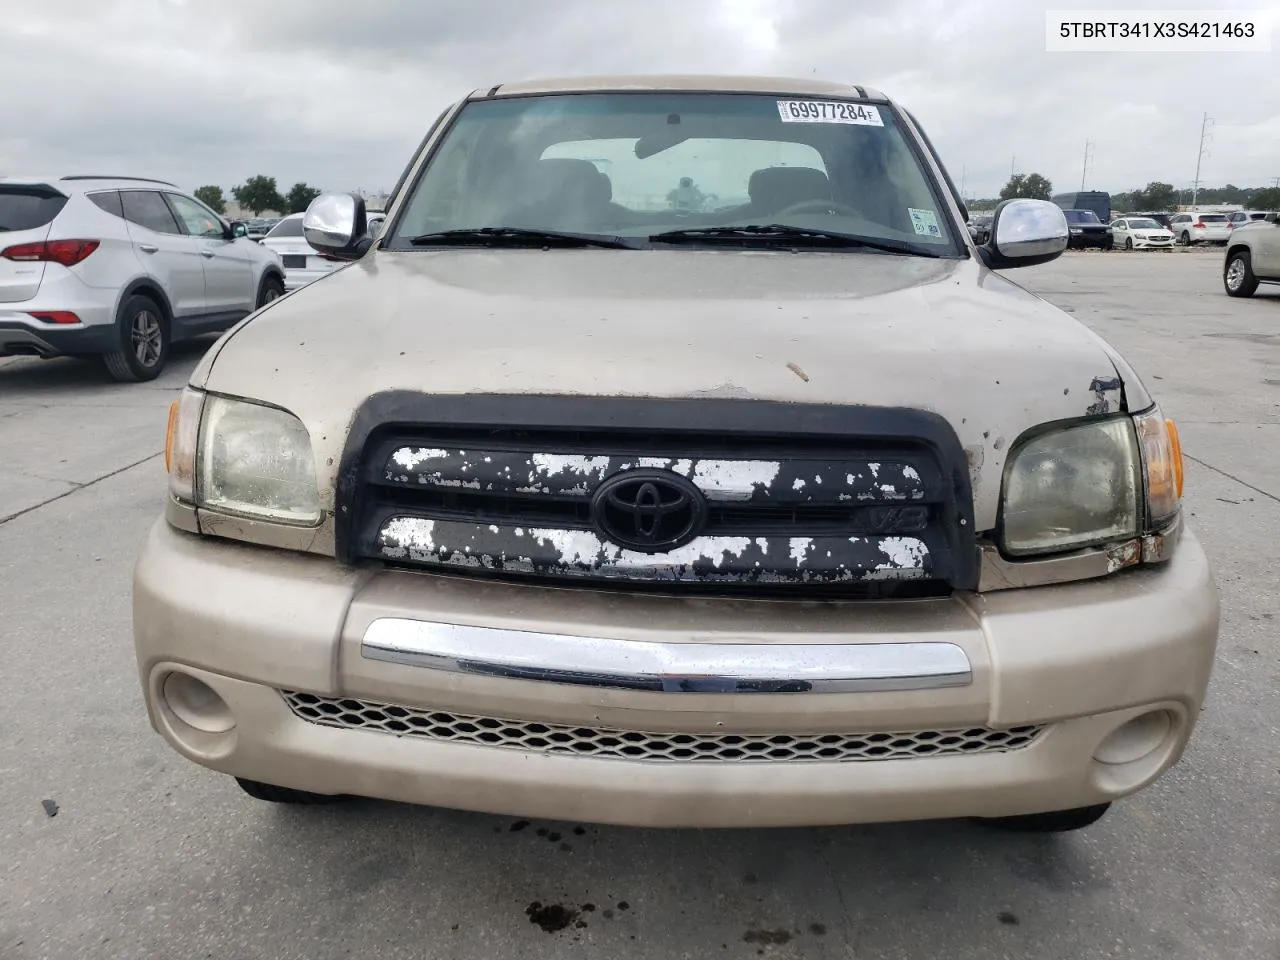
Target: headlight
1073, 487
1074, 229
241, 458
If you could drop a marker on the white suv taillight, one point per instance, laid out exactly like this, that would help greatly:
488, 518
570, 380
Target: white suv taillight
66, 252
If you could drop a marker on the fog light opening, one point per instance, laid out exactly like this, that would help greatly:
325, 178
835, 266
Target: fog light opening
1136, 738
196, 704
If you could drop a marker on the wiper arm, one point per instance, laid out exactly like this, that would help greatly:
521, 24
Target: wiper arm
782, 234
513, 236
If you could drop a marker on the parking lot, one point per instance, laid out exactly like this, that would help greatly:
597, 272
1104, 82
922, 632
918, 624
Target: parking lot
114, 846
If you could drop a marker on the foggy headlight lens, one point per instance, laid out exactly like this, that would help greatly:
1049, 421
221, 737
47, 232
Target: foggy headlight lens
1072, 488
256, 461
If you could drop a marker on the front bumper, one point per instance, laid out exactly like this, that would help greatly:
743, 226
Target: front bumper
1075, 661
1103, 240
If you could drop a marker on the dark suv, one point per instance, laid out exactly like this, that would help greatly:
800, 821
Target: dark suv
1086, 230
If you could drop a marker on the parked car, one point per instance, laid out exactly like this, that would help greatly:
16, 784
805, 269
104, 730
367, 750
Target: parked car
302, 262
1161, 217
1238, 218
980, 228
120, 268
552, 505
1087, 230
1141, 233
1193, 228
256, 228
1252, 257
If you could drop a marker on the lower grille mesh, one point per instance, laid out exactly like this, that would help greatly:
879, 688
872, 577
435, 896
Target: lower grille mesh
607, 743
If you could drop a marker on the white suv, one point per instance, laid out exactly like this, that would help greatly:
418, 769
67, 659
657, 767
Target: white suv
121, 267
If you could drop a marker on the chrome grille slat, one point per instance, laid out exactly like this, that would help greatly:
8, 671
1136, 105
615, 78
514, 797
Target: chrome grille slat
609, 743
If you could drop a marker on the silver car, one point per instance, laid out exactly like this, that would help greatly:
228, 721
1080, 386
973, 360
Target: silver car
121, 268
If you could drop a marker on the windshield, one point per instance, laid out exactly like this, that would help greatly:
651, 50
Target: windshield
638, 164
287, 228
1143, 225
1081, 216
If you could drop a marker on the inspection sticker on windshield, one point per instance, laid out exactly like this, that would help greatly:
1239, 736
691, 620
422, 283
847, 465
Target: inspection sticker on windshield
925, 222
828, 111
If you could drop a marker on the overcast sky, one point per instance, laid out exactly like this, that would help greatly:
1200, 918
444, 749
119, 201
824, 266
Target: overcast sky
339, 92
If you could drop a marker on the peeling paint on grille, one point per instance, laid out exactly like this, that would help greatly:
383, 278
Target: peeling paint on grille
723, 480
734, 479
708, 559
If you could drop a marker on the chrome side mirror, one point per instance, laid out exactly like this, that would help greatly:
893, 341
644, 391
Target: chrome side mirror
1024, 233
336, 224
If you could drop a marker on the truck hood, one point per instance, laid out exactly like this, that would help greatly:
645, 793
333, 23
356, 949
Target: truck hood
947, 336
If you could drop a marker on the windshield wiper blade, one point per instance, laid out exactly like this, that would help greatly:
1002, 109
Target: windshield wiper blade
495, 236
787, 235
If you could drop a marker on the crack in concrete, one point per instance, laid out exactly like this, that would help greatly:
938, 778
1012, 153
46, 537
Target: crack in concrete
1243, 483
76, 489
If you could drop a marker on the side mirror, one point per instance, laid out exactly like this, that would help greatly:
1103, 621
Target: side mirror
1025, 233
336, 224
1272, 218
238, 229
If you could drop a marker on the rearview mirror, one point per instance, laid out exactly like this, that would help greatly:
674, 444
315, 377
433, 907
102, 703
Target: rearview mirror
1024, 233
238, 229
336, 224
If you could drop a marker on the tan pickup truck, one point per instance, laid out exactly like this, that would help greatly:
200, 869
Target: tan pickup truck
673, 456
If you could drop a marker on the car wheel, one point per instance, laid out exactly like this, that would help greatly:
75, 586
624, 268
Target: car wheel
272, 288
1184, 239
142, 338
274, 794
1128, 243
1056, 821
1238, 276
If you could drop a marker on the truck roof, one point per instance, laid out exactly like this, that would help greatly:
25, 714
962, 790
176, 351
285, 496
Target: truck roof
710, 83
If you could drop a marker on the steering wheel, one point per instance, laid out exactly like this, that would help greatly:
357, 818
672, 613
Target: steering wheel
819, 206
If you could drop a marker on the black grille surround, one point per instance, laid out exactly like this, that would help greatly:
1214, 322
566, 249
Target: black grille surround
811, 501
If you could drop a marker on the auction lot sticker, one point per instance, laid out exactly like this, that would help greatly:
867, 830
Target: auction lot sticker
828, 111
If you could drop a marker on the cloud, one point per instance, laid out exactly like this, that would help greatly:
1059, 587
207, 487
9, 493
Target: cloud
339, 94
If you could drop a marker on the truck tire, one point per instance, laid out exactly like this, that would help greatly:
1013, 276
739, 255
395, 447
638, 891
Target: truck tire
274, 794
1055, 821
1238, 277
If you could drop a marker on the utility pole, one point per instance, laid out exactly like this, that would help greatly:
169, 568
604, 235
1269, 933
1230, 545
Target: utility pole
1195, 186
1084, 170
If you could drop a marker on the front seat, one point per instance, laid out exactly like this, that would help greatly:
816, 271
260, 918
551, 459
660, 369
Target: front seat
775, 188
564, 190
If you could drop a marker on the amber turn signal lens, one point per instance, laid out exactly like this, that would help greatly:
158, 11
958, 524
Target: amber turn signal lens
1176, 443
1161, 466
168, 436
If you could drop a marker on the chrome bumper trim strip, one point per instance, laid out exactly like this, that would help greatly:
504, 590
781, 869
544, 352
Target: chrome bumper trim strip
667, 667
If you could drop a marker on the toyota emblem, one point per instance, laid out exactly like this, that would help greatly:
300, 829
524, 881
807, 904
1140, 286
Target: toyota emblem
650, 511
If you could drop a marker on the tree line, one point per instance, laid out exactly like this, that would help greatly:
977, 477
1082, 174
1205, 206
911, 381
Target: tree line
260, 193
1155, 196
